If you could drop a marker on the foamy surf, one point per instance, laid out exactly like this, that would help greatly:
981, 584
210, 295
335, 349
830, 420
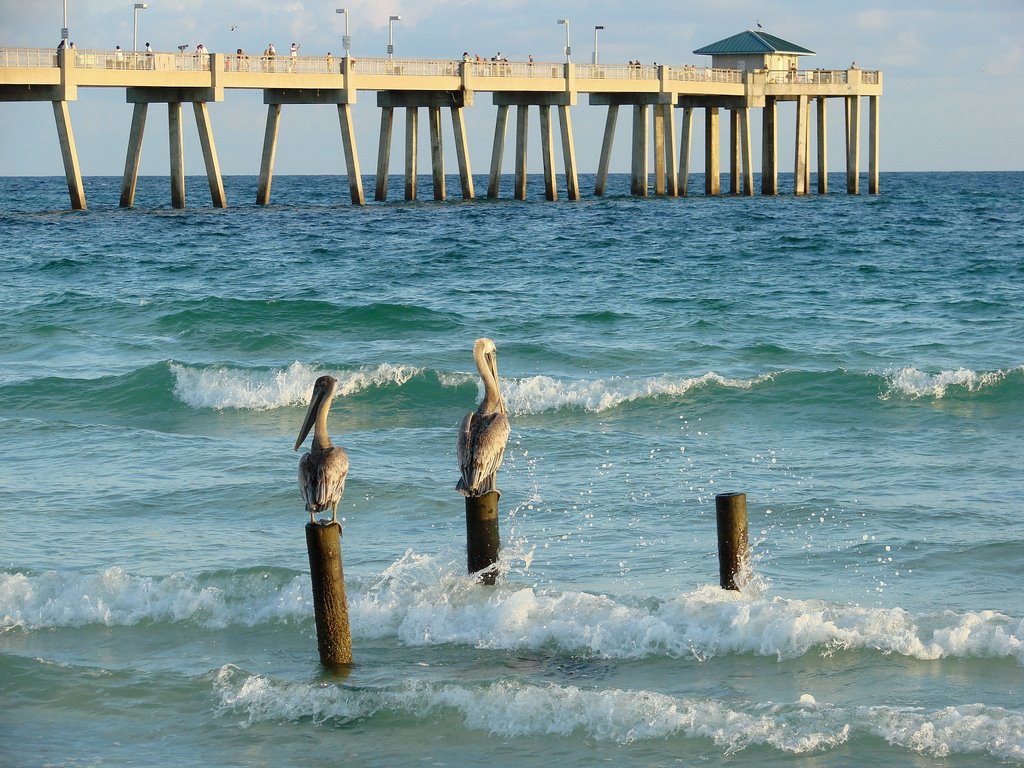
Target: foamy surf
511, 708
422, 601
220, 388
539, 394
914, 383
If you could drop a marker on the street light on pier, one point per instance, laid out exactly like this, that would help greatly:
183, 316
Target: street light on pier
568, 48
135, 26
597, 27
346, 40
391, 35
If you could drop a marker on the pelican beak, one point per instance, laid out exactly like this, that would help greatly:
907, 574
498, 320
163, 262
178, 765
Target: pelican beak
311, 412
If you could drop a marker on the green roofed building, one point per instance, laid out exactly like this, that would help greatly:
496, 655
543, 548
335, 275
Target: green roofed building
754, 49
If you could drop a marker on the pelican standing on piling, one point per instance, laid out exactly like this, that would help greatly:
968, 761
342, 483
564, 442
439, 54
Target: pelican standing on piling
484, 431
323, 470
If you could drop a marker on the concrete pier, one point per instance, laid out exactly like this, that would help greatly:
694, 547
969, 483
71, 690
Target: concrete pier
712, 174
769, 148
685, 143
731, 83
523, 101
68, 151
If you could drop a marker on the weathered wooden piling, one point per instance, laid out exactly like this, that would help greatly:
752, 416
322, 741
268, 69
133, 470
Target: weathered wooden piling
333, 636
482, 538
733, 554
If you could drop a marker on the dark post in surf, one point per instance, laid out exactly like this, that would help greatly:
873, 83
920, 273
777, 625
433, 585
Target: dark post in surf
733, 554
330, 606
482, 538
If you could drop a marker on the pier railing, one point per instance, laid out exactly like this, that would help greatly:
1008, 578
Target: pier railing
704, 74
183, 61
28, 57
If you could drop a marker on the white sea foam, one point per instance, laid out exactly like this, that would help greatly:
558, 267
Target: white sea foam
537, 394
511, 708
224, 387
263, 390
117, 598
421, 601
911, 382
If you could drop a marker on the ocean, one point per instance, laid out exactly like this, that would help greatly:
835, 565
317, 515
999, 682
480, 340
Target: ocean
853, 364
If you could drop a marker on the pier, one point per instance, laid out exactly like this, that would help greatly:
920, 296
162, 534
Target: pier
749, 71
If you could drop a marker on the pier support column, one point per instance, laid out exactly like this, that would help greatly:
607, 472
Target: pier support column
734, 152
497, 150
601, 184
853, 145
746, 151
522, 115
269, 154
800, 150
822, 147
671, 153
873, 137
462, 152
685, 142
348, 139
69, 152
638, 167
177, 154
547, 151
659, 151
412, 122
572, 180
134, 156
436, 152
712, 174
387, 122
217, 196
769, 147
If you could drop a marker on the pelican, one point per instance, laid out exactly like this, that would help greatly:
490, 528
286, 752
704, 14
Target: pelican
484, 431
323, 470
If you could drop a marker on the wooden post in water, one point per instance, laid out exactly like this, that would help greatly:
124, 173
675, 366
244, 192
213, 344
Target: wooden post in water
482, 538
733, 555
333, 637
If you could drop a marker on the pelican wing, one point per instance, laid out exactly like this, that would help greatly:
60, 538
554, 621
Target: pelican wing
481, 449
322, 476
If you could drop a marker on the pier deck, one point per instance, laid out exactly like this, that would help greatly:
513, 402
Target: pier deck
174, 78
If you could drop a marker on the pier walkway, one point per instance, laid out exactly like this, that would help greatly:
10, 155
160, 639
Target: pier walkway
177, 78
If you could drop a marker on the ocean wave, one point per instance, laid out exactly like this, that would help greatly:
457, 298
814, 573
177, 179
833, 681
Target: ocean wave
422, 601
262, 390
511, 709
222, 387
914, 383
538, 394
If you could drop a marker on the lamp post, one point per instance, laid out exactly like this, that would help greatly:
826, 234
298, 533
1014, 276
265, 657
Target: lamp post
568, 48
391, 35
346, 40
135, 26
597, 27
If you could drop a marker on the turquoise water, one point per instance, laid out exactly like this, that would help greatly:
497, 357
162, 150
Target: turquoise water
855, 365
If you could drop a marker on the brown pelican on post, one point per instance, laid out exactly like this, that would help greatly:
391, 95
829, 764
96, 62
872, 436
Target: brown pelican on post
323, 470
484, 431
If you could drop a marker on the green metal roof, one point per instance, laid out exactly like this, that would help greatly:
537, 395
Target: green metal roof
753, 41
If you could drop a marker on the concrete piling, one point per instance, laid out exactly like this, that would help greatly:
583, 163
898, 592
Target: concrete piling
333, 636
733, 548
482, 538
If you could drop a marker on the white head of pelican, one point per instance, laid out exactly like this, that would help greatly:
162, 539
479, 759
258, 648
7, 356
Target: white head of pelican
322, 471
484, 432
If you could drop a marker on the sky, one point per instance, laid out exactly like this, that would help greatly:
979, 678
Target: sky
953, 74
